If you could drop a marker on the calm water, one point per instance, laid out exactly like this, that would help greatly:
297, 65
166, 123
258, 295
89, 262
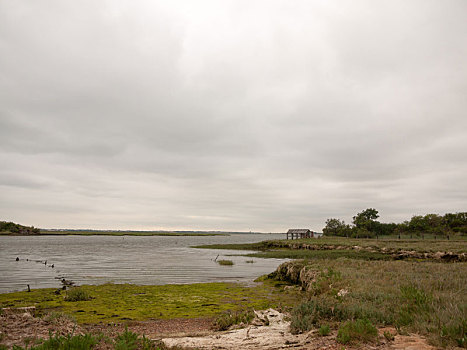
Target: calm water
129, 259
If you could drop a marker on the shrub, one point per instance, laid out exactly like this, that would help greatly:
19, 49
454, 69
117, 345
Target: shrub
356, 331
225, 262
127, 340
75, 342
77, 294
324, 330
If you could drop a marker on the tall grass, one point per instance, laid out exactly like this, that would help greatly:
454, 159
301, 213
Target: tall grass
427, 298
357, 331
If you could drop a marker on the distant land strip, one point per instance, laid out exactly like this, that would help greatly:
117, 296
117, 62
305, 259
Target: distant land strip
127, 233
14, 229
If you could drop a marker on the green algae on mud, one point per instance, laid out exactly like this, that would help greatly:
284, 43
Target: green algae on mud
120, 302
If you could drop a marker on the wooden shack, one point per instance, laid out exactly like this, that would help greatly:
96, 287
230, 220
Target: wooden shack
299, 233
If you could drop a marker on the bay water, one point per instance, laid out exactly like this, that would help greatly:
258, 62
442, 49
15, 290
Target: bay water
144, 260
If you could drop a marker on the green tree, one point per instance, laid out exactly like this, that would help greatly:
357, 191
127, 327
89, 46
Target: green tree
366, 220
418, 224
434, 223
336, 227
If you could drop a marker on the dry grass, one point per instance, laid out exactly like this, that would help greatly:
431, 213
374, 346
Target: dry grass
423, 297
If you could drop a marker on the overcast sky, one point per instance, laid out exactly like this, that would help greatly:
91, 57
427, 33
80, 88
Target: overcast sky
230, 115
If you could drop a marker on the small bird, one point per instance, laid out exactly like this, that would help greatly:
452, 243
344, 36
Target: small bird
52, 265
17, 259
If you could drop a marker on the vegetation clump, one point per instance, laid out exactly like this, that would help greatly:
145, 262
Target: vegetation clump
230, 318
129, 340
357, 331
225, 262
324, 330
77, 294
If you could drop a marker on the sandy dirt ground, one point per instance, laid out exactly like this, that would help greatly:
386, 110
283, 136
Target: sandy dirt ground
269, 330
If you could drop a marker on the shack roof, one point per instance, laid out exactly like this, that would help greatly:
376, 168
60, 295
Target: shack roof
298, 230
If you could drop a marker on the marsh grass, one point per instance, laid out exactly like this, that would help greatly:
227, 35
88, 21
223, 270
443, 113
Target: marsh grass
225, 262
357, 331
422, 297
457, 244
319, 254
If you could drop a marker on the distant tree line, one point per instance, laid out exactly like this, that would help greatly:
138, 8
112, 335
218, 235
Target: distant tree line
12, 228
365, 224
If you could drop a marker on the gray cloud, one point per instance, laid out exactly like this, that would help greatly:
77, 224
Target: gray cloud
230, 115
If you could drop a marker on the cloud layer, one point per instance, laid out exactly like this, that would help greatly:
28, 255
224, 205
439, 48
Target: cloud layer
230, 115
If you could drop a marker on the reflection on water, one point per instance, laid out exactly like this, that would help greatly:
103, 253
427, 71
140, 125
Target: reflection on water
128, 259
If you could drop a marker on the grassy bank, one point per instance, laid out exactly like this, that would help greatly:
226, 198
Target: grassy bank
375, 247
116, 303
427, 298
318, 254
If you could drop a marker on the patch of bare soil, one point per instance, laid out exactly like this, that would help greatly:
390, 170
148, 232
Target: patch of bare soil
409, 342
155, 328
